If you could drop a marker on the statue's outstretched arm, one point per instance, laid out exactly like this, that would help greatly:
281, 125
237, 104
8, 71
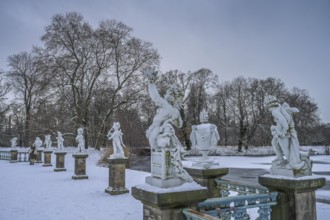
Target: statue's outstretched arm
151, 75
154, 95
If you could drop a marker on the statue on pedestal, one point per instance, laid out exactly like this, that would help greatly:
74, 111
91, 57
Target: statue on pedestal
38, 142
117, 142
13, 142
161, 135
48, 141
204, 137
285, 141
60, 141
80, 140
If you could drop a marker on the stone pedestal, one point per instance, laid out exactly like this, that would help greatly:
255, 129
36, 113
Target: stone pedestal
167, 205
163, 172
296, 198
206, 177
60, 160
80, 166
117, 176
39, 155
47, 158
13, 156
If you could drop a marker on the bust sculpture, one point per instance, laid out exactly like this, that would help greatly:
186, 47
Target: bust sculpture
285, 141
161, 134
204, 137
80, 140
115, 135
48, 141
38, 142
60, 141
13, 142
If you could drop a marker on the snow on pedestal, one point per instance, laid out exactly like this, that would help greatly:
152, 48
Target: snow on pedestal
117, 176
167, 203
296, 198
206, 177
47, 158
79, 166
60, 161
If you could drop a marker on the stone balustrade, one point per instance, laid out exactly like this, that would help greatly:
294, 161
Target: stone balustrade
22, 156
235, 201
236, 206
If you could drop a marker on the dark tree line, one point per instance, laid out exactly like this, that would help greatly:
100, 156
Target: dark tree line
91, 77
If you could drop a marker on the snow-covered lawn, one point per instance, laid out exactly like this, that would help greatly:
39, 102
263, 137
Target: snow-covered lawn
39, 193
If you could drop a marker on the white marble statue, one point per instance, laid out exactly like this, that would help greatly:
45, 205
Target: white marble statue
167, 111
80, 140
38, 142
60, 141
168, 140
115, 135
13, 142
161, 133
48, 141
204, 137
285, 141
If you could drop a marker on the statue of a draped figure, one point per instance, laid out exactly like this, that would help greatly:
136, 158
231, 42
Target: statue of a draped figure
164, 144
60, 141
285, 141
115, 135
13, 142
38, 142
48, 141
204, 137
80, 140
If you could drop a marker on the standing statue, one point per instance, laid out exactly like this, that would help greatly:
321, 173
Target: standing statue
204, 137
161, 133
285, 141
80, 140
60, 141
13, 142
117, 142
48, 141
38, 142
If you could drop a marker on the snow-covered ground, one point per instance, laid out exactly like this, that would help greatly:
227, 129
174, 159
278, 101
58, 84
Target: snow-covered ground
38, 193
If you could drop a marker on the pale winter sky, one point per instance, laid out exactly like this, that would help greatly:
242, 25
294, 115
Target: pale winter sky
285, 39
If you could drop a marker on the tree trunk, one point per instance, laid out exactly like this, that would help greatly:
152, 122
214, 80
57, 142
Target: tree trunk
184, 129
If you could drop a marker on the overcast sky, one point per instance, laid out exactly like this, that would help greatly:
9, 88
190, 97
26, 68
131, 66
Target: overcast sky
285, 39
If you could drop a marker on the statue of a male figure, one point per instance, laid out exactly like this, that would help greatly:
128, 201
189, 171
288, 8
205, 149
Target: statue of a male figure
285, 141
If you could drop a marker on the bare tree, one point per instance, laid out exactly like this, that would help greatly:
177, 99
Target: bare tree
307, 119
202, 80
87, 61
26, 76
4, 107
219, 111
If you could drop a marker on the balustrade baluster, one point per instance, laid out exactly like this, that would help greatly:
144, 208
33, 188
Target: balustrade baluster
240, 214
264, 212
225, 193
